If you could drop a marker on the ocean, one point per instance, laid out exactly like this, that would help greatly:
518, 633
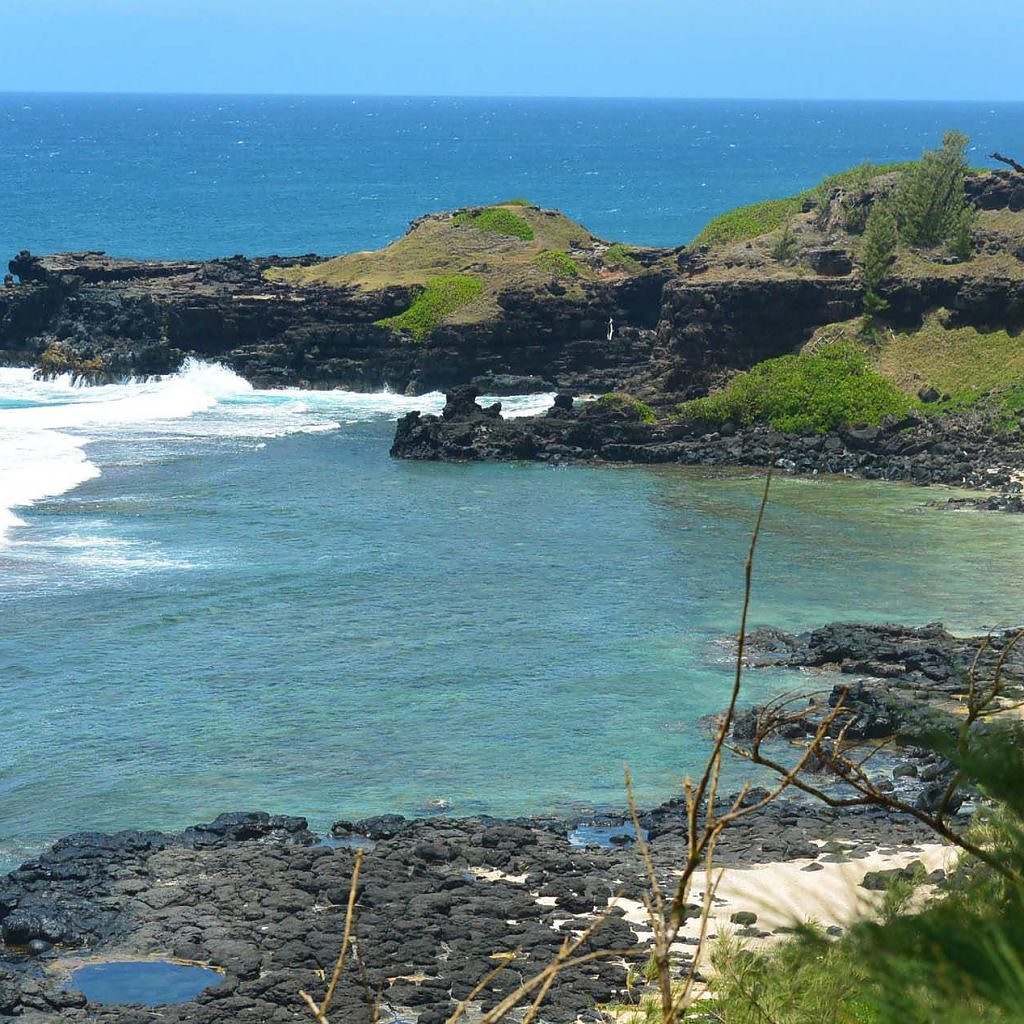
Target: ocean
221, 598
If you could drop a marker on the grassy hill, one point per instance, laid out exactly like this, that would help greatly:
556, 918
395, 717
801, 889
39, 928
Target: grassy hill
465, 258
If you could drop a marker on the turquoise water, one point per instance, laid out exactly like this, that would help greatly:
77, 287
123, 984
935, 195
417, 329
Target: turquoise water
214, 598
251, 606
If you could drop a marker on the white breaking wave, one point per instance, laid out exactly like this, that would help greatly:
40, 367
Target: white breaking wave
46, 425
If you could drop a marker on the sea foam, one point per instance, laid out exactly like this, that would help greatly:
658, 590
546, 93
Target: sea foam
45, 426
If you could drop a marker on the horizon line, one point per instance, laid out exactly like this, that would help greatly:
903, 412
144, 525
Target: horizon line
496, 96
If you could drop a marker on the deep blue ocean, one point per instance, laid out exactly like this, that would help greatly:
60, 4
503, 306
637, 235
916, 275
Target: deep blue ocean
184, 176
218, 598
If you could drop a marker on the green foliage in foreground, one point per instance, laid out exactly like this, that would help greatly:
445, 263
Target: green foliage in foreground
958, 959
618, 255
628, 403
810, 393
792, 982
440, 297
558, 263
497, 221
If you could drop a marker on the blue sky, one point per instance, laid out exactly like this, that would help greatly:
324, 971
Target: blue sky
885, 49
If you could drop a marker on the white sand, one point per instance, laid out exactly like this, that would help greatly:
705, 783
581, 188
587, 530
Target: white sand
782, 895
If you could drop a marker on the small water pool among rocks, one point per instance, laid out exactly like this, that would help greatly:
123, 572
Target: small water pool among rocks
142, 982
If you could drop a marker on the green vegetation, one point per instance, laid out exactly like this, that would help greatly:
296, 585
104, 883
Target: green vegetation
856, 179
746, 222
497, 220
784, 248
930, 202
629, 404
810, 393
558, 263
749, 221
437, 246
441, 296
976, 369
788, 983
880, 241
619, 255
518, 201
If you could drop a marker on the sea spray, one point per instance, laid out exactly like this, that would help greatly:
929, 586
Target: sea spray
45, 426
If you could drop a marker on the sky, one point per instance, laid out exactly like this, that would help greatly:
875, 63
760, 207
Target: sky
828, 49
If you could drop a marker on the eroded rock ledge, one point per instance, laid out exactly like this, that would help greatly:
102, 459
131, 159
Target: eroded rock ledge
954, 450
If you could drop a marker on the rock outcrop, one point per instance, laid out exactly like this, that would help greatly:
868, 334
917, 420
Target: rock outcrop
915, 449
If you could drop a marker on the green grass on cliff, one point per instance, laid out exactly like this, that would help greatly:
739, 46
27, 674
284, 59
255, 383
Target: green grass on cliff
810, 393
557, 263
629, 403
513, 245
498, 220
440, 297
755, 219
747, 222
971, 366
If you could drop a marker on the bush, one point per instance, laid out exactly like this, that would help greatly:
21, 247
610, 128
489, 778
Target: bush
784, 247
558, 263
619, 255
931, 204
440, 297
627, 403
804, 394
496, 220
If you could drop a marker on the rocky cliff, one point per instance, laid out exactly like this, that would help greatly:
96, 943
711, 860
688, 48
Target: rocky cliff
556, 308
541, 322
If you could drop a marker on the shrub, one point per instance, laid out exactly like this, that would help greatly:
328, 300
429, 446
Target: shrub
496, 220
619, 255
961, 239
627, 403
784, 247
810, 393
930, 197
558, 263
440, 297
880, 241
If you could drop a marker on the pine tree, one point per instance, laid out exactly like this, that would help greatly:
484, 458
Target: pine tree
961, 239
880, 239
930, 198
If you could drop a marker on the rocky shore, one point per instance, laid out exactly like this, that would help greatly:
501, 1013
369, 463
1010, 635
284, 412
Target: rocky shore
915, 449
261, 898
257, 897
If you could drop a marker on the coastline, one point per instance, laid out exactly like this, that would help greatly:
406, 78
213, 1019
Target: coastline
259, 897
915, 450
